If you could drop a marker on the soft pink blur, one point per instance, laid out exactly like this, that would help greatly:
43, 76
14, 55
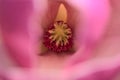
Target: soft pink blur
22, 21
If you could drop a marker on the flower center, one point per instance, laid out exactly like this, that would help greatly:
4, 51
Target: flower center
60, 33
58, 37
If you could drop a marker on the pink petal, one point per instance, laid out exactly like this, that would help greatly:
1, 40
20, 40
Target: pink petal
15, 31
95, 15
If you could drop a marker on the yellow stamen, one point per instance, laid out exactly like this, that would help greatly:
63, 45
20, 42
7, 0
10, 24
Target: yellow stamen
58, 37
60, 33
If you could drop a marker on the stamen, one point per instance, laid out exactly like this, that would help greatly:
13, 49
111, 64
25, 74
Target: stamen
58, 37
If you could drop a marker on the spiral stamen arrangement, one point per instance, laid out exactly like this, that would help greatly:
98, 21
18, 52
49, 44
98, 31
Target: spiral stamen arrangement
58, 37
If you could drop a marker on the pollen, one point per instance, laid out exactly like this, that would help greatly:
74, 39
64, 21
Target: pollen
58, 37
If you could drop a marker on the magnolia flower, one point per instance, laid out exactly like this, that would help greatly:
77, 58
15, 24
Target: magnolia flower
28, 24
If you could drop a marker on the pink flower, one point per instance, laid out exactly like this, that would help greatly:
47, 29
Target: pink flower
22, 27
